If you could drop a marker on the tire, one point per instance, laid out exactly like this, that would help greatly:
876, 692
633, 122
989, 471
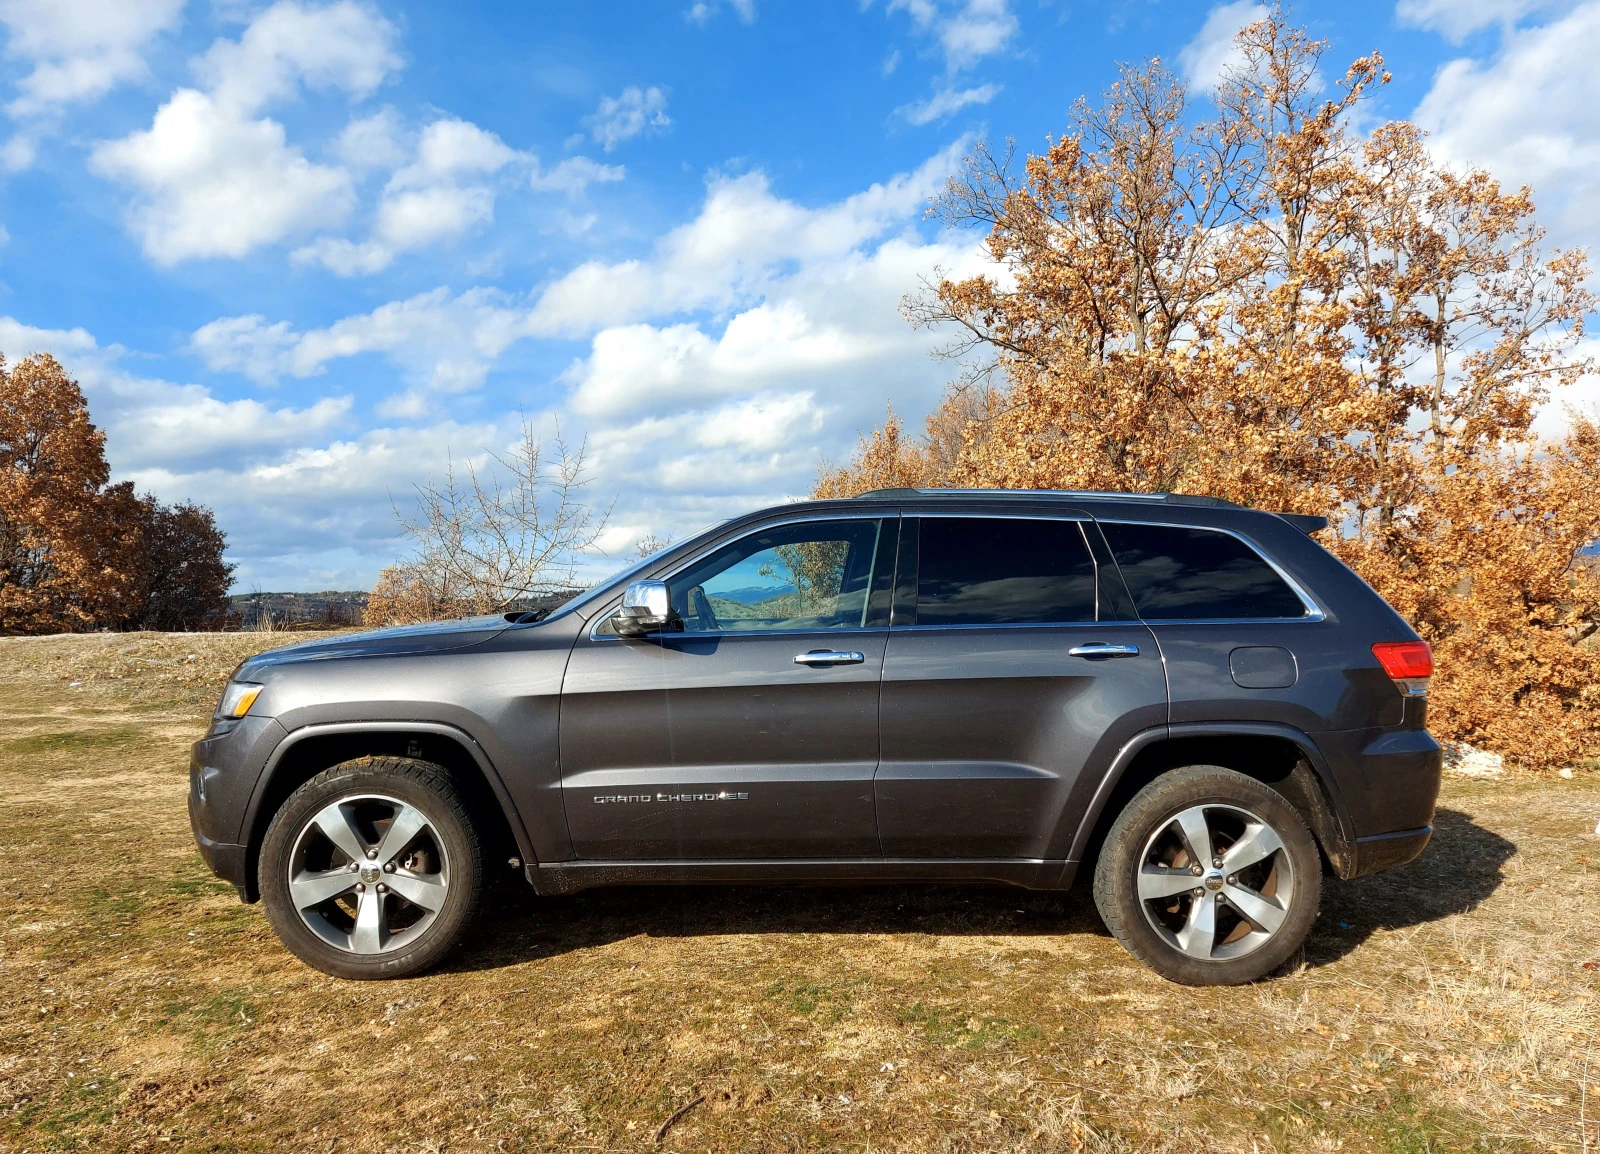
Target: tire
347, 853
1197, 924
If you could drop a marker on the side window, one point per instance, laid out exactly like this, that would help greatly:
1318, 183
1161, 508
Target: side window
1003, 571
1197, 574
809, 576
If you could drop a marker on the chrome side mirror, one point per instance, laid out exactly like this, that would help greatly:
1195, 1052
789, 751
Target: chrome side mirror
646, 609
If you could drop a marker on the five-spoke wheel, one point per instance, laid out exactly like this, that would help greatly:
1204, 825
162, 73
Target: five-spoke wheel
1209, 876
369, 873
1216, 882
372, 868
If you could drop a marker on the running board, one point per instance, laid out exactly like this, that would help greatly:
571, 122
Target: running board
571, 876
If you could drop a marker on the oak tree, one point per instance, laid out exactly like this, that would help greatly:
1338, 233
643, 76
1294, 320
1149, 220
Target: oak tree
1261, 302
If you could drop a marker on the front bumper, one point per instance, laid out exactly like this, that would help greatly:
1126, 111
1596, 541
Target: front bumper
230, 863
224, 768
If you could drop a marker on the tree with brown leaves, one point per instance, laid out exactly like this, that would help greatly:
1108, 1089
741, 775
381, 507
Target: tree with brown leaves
77, 553
1267, 306
69, 555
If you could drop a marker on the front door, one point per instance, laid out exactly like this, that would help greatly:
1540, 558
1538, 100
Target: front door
1014, 662
753, 732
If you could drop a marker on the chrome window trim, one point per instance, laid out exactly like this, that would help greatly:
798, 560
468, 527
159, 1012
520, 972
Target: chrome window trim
1135, 623
1313, 610
602, 616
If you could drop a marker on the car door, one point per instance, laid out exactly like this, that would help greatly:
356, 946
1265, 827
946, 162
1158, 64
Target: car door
751, 733
1014, 662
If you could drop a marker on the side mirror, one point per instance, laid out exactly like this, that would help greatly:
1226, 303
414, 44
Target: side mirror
646, 609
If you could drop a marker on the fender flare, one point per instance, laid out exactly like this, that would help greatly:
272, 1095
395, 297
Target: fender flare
453, 733
1146, 738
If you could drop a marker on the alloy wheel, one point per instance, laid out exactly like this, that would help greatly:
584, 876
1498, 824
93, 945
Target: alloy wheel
1215, 881
368, 873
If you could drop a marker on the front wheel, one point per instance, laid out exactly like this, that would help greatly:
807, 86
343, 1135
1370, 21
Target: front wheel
372, 869
1209, 877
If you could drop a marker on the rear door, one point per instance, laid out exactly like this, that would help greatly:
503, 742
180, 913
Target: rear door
1014, 662
753, 732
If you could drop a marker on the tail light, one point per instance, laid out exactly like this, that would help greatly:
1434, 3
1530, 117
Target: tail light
1408, 663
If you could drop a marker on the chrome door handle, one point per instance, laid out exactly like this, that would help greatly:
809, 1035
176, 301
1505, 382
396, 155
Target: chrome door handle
1103, 649
831, 657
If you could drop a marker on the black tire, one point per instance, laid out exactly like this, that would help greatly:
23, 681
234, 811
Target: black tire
442, 864
1148, 837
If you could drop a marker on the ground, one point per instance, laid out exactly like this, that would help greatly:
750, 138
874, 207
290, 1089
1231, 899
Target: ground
1451, 1004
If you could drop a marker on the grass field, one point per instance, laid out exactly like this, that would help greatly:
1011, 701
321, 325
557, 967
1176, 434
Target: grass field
1449, 1005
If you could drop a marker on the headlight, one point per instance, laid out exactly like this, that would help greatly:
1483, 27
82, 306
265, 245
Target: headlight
238, 698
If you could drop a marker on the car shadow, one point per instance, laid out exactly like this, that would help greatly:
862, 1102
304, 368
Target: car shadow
1460, 868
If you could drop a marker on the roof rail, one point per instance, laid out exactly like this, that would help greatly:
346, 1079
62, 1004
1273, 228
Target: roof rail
1024, 494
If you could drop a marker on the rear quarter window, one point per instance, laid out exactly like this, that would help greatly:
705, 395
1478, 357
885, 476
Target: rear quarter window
1184, 574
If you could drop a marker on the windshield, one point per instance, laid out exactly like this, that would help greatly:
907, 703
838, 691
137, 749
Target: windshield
582, 600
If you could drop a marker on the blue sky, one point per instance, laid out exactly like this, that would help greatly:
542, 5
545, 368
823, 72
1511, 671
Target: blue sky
298, 253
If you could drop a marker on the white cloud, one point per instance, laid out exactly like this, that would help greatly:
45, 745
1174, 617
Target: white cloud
440, 195
744, 240
213, 184
79, 49
1456, 19
1206, 59
444, 342
947, 102
966, 31
344, 45
718, 365
1531, 115
622, 117
702, 10
212, 179
157, 423
372, 142
575, 174
305, 503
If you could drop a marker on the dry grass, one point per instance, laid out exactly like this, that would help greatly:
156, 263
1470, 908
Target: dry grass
1449, 1005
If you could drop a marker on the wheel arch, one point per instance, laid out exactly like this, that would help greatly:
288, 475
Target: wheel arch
309, 750
1276, 755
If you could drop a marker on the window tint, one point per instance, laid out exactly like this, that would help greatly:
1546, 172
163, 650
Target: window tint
998, 571
813, 575
1197, 574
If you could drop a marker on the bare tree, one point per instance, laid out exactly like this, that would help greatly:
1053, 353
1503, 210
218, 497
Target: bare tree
490, 538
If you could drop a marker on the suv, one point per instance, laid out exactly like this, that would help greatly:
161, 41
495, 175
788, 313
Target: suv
1193, 700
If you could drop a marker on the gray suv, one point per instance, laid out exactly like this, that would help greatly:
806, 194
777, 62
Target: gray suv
1192, 700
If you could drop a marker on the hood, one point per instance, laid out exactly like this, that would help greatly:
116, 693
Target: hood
431, 637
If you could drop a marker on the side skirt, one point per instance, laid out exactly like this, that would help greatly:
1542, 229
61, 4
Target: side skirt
572, 876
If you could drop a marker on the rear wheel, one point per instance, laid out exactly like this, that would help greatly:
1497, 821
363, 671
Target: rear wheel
1209, 877
372, 869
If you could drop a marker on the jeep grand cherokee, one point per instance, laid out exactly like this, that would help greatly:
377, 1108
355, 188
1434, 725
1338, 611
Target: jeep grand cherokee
1192, 701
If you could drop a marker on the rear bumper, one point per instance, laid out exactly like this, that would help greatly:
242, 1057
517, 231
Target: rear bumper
1386, 850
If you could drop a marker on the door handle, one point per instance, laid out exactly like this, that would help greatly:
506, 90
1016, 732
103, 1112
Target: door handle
1103, 649
831, 657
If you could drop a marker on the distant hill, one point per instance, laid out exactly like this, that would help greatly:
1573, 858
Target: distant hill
330, 609
753, 594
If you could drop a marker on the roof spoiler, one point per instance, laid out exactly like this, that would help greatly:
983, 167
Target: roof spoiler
1305, 522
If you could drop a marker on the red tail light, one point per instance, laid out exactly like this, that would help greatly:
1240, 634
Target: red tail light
1404, 660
